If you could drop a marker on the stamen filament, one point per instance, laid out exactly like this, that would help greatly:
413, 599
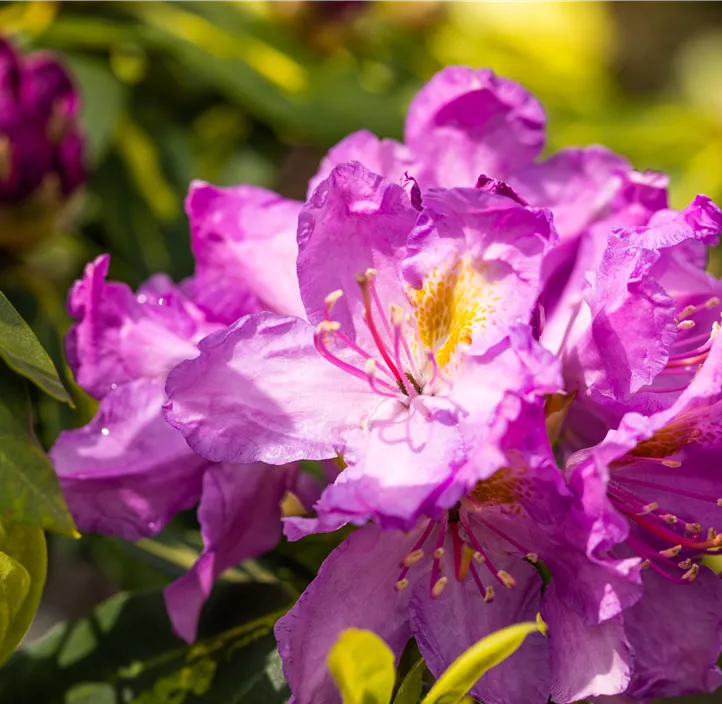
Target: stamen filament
670, 489
502, 576
323, 329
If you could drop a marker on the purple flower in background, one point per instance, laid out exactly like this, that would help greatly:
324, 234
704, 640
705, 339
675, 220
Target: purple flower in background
128, 472
405, 310
644, 322
41, 146
652, 492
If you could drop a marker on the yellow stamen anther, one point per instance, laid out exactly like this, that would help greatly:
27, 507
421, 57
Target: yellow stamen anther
685, 564
673, 464
671, 552
328, 326
439, 586
489, 595
396, 314
401, 584
412, 558
669, 518
712, 302
370, 367
686, 312
479, 558
644, 565
532, 557
649, 508
506, 579
691, 573
694, 528
685, 325
331, 299
439, 553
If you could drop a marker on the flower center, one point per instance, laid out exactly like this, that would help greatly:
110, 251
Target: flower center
468, 551
392, 356
683, 540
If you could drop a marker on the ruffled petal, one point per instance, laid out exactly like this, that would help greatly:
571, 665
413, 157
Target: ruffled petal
127, 472
676, 634
585, 660
466, 122
120, 336
384, 157
631, 329
425, 449
354, 221
473, 268
260, 392
240, 518
353, 589
244, 242
446, 626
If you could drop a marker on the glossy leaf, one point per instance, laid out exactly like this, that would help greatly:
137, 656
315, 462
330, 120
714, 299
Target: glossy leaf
410, 689
126, 645
29, 489
363, 667
463, 673
23, 566
24, 354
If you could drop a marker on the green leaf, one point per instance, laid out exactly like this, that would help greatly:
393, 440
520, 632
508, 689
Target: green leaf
29, 489
23, 566
24, 354
410, 689
126, 646
462, 674
363, 667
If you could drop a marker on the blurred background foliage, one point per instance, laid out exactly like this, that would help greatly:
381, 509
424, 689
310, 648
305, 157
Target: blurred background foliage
255, 92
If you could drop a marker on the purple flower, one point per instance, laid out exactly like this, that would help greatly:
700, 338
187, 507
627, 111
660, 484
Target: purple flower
128, 472
41, 146
644, 322
452, 580
407, 312
650, 491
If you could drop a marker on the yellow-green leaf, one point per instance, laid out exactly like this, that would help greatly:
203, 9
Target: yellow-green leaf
462, 674
363, 667
24, 354
23, 565
29, 488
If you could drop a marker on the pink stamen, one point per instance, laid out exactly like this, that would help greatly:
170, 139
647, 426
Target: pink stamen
670, 536
410, 390
650, 557
364, 282
419, 544
319, 340
438, 554
374, 383
503, 577
397, 320
672, 490
379, 308
687, 362
352, 345
503, 535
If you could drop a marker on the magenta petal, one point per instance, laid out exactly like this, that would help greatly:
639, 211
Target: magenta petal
676, 655
354, 221
586, 660
466, 122
624, 296
353, 589
446, 626
384, 157
260, 392
244, 241
120, 336
127, 472
240, 518
493, 236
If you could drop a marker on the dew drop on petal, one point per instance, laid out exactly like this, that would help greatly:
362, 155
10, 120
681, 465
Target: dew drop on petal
105, 431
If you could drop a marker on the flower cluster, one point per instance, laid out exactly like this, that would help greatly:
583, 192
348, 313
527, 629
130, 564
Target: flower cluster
514, 361
41, 146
